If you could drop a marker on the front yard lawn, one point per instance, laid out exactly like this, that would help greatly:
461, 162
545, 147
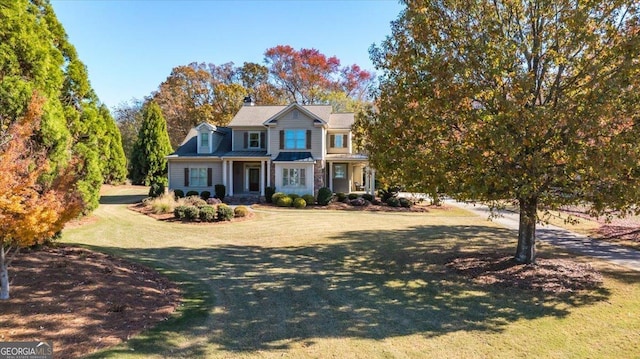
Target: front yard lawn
318, 283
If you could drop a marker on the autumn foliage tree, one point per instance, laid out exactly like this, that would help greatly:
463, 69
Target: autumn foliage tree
31, 210
532, 101
309, 77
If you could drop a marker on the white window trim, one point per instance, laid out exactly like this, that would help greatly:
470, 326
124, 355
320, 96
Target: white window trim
249, 133
191, 177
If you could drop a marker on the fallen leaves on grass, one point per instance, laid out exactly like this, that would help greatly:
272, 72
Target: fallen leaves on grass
82, 300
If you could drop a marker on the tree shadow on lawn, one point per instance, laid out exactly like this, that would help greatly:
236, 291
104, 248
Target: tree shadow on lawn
375, 284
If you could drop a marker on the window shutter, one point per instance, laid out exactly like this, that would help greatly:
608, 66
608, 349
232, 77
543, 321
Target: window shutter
332, 141
282, 139
186, 177
246, 140
345, 138
263, 138
308, 139
209, 177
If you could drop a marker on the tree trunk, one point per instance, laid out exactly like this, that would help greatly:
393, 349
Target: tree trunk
4, 276
526, 252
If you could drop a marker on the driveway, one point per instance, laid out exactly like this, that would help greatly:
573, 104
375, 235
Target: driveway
574, 242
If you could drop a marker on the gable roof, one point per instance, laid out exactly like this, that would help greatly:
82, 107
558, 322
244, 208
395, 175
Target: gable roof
258, 116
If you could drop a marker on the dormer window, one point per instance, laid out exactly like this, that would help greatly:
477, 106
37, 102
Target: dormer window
204, 139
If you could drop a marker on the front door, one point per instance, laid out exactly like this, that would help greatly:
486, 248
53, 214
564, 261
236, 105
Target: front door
254, 179
340, 178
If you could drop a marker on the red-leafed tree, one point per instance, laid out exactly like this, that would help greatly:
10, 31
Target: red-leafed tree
309, 77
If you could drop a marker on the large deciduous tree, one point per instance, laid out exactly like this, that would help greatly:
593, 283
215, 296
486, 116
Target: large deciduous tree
536, 101
30, 211
148, 164
307, 76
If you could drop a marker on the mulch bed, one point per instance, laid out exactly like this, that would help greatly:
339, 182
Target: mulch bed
547, 275
420, 208
82, 300
169, 217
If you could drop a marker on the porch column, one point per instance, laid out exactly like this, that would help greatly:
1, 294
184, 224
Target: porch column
268, 173
224, 173
262, 178
365, 185
330, 175
372, 182
230, 178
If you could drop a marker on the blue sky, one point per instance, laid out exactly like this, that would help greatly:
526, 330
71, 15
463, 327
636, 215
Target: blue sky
130, 46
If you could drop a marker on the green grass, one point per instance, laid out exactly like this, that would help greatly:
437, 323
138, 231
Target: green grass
318, 283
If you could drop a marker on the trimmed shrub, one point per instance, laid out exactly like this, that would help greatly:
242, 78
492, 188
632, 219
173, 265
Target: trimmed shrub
205, 195
359, 202
293, 196
224, 213
213, 201
340, 197
368, 197
276, 196
191, 213
240, 211
299, 203
353, 195
156, 189
268, 194
393, 202
192, 194
309, 199
324, 196
404, 202
285, 201
208, 213
178, 193
195, 201
221, 191
180, 212
389, 192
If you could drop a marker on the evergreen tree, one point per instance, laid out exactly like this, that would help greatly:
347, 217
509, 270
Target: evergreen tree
37, 57
148, 163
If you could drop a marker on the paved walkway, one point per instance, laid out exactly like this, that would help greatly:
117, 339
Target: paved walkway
574, 242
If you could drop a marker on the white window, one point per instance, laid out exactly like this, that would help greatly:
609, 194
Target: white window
254, 139
295, 139
338, 141
197, 177
293, 177
204, 139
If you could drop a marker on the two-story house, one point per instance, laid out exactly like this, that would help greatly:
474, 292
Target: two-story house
295, 148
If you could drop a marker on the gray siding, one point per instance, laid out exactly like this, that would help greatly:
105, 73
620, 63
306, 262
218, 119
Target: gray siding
238, 137
176, 174
287, 122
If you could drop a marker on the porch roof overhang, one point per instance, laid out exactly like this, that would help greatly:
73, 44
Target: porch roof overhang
246, 154
342, 157
294, 157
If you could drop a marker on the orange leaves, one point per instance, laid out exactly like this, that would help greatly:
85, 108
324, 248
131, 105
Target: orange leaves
30, 211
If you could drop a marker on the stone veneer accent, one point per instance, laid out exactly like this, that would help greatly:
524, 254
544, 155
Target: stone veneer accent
318, 176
